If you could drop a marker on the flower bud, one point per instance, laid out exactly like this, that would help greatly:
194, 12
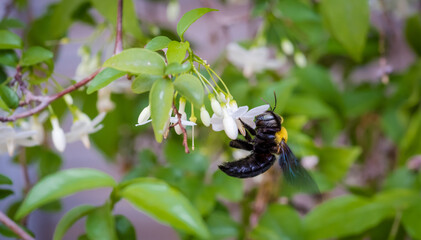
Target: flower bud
144, 116
230, 127
59, 139
204, 116
287, 46
216, 106
182, 105
300, 59
177, 127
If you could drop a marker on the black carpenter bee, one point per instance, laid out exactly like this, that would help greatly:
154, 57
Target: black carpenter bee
269, 138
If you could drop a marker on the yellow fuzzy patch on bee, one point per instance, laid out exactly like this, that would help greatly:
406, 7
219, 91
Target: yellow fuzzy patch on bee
283, 134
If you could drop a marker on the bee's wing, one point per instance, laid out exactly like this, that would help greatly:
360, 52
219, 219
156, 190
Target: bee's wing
294, 173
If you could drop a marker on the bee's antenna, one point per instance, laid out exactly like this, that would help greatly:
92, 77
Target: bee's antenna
274, 94
265, 101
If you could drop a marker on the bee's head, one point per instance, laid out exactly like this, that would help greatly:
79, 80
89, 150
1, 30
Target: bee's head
269, 119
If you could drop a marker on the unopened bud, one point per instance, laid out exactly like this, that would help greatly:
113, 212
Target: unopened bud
204, 116
144, 116
300, 59
216, 106
287, 46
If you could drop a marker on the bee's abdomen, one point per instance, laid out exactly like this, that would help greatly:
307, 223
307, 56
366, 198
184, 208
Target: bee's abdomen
250, 166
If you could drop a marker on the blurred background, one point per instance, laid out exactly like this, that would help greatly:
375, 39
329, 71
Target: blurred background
348, 84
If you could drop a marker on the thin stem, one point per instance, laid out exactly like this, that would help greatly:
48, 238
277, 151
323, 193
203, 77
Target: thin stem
185, 144
201, 77
44, 101
118, 47
395, 226
14, 227
220, 79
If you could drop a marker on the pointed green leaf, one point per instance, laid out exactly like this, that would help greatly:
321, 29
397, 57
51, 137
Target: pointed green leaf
35, 55
9, 96
158, 43
137, 60
5, 180
189, 18
279, 222
177, 68
63, 184
165, 204
348, 22
125, 229
102, 79
143, 83
4, 193
190, 87
3, 105
411, 220
177, 51
69, 219
160, 99
335, 162
100, 224
9, 40
8, 58
345, 216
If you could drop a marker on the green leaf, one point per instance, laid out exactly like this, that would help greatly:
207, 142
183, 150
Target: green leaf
8, 58
62, 184
189, 18
9, 40
334, 162
411, 220
222, 226
35, 55
160, 99
344, 216
412, 31
5, 180
177, 51
165, 204
60, 19
278, 223
11, 23
69, 219
143, 83
49, 163
308, 106
3, 105
348, 22
137, 60
158, 43
4, 193
190, 87
177, 68
102, 79
108, 8
100, 224
124, 228
228, 187
9, 96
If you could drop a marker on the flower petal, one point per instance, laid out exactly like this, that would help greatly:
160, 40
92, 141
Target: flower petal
256, 111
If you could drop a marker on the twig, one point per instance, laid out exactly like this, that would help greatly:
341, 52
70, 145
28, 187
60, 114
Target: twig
185, 144
44, 101
14, 227
118, 47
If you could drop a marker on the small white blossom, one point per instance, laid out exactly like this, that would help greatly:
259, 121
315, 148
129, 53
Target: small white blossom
309, 162
300, 59
83, 126
181, 110
204, 116
144, 116
232, 114
59, 139
251, 61
215, 105
88, 64
104, 103
10, 138
287, 46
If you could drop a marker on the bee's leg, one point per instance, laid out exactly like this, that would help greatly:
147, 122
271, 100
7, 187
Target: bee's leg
249, 129
241, 144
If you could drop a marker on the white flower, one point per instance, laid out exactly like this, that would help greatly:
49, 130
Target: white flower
11, 138
144, 116
84, 126
251, 61
233, 114
181, 110
309, 162
59, 139
204, 116
300, 59
104, 103
215, 105
88, 64
287, 46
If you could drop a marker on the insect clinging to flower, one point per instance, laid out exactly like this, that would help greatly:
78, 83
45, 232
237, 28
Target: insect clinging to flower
267, 139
